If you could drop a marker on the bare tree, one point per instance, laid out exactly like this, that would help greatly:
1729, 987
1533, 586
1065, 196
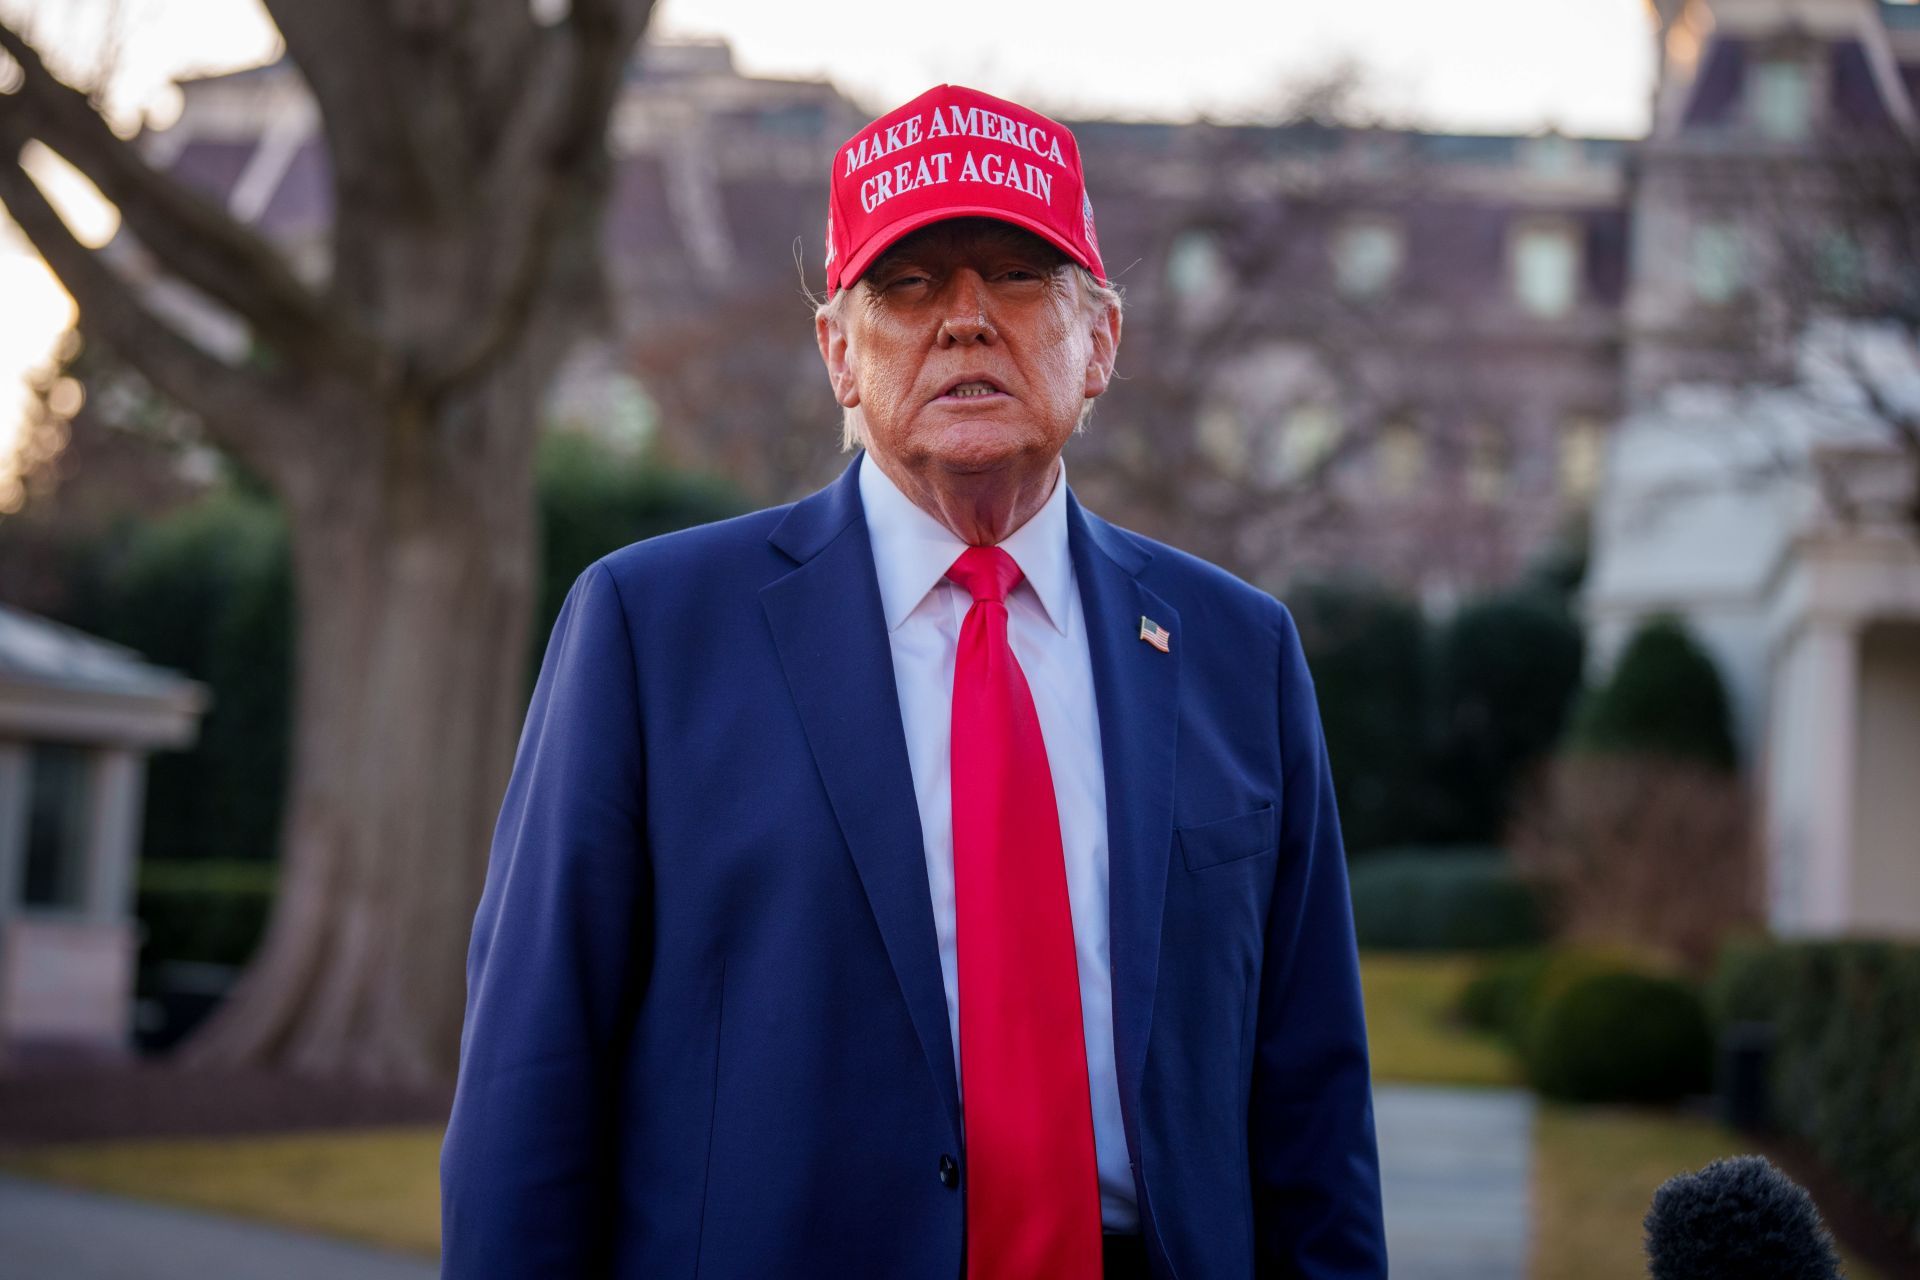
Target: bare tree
1203, 440
1830, 297
1855, 263
1641, 850
392, 408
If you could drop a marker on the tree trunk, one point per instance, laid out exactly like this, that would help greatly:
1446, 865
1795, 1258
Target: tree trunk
393, 411
414, 556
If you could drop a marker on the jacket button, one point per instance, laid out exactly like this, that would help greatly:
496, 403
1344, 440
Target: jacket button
949, 1172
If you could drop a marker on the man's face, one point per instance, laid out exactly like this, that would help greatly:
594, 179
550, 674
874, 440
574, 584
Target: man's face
967, 350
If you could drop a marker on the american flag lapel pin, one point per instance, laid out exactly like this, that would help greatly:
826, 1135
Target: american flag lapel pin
1155, 634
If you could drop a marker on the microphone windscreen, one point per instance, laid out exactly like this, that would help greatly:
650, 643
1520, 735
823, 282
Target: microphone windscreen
1738, 1217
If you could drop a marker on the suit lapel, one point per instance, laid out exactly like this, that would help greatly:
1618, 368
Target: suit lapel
832, 637
1137, 687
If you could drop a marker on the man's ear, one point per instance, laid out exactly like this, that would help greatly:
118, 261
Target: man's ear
839, 361
1106, 349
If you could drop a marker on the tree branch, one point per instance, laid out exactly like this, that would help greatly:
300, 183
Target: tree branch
347, 51
553, 150
235, 405
199, 242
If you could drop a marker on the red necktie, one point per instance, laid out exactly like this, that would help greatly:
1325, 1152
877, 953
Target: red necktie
1033, 1194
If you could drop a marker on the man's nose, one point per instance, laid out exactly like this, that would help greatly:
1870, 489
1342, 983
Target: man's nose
966, 311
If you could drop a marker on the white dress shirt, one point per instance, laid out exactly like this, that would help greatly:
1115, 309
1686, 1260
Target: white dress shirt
912, 553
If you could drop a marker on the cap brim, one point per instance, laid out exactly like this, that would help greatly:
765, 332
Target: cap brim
885, 238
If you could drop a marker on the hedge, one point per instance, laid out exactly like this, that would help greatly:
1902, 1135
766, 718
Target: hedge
1368, 650
1846, 1067
1509, 994
1441, 899
1621, 1036
208, 912
1507, 675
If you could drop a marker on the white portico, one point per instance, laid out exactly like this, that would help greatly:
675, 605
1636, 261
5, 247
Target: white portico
78, 717
1842, 754
1778, 524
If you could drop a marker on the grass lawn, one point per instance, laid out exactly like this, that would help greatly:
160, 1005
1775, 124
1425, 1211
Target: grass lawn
383, 1186
1410, 1031
1594, 1174
1595, 1171
379, 1186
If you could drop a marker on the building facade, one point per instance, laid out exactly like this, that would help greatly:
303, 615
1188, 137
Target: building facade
1407, 355
1764, 482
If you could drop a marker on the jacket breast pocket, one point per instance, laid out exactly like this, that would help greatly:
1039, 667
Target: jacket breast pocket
1210, 844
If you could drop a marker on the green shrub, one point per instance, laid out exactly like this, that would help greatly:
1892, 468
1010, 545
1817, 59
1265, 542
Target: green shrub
208, 590
1747, 982
1508, 669
1497, 997
593, 501
1665, 697
208, 912
1431, 730
1846, 1022
1621, 1037
1441, 900
1368, 651
1509, 993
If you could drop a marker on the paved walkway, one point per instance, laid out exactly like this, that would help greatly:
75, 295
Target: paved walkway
1455, 1166
50, 1233
1455, 1171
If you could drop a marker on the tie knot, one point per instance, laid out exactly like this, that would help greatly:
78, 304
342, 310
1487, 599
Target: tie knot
987, 572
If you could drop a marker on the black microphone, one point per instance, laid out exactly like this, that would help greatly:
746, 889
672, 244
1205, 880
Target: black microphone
1737, 1218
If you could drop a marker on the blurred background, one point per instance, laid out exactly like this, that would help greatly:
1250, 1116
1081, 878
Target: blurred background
1558, 365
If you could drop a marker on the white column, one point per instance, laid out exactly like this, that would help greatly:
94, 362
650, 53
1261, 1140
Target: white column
13, 826
1826, 752
117, 787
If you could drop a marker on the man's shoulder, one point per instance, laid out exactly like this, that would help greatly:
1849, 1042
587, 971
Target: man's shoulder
723, 550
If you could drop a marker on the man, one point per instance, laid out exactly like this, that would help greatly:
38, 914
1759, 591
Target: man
932, 788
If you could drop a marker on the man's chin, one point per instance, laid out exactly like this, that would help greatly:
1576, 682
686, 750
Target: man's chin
989, 458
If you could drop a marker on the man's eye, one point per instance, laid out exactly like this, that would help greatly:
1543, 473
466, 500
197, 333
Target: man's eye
906, 281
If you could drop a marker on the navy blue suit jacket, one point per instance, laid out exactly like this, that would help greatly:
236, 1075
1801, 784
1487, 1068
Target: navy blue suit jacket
705, 1027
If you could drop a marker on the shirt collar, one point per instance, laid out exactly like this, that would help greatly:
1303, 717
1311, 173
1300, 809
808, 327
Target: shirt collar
912, 551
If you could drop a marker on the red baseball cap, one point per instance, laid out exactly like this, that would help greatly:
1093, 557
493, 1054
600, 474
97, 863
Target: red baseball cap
955, 153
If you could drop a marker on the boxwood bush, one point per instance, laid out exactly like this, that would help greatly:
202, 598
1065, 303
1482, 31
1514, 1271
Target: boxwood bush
1498, 997
1442, 900
1621, 1036
1665, 697
1511, 990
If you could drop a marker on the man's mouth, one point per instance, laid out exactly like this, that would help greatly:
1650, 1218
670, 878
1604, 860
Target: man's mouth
972, 389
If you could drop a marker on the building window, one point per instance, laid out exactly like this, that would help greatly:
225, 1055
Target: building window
57, 804
1367, 256
1195, 270
1223, 438
1308, 434
1840, 266
1400, 459
1716, 262
1782, 101
1582, 450
1486, 464
1551, 154
1546, 268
